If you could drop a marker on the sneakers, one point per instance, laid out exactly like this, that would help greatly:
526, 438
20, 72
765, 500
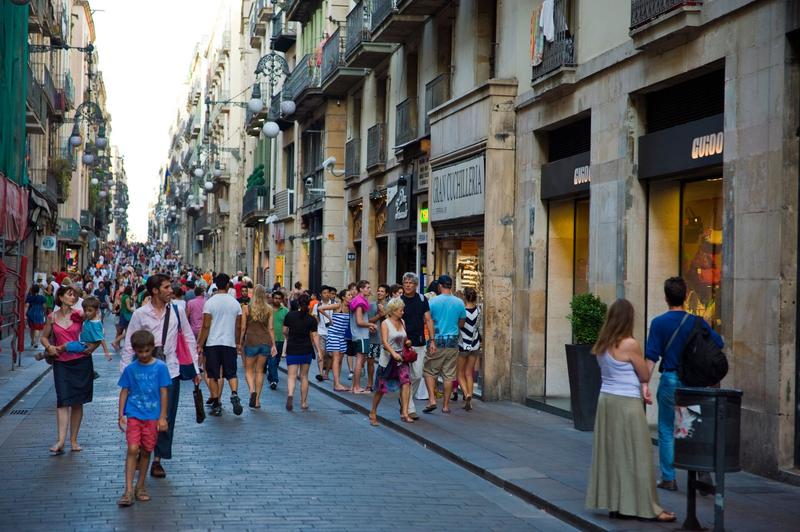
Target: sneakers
350, 376
237, 404
273, 386
669, 485
157, 470
216, 408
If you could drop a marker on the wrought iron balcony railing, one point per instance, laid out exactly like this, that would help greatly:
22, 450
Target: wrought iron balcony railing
87, 219
376, 145
406, 129
352, 158
561, 51
333, 53
437, 91
643, 11
304, 76
255, 201
380, 10
358, 24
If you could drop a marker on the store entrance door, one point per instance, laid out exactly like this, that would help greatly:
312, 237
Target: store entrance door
406, 257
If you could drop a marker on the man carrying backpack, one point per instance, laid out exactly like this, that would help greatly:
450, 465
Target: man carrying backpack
667, 340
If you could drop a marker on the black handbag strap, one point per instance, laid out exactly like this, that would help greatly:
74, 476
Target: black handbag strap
167, 312
672, 339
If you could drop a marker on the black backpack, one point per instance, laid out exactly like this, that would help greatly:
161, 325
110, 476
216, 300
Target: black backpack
702, 363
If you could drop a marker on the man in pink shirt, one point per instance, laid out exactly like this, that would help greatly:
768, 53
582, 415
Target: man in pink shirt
151, 317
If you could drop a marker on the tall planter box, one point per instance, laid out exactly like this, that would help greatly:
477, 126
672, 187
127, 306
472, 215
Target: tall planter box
584, 384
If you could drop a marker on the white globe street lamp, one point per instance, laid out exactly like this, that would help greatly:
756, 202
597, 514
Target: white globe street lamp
288, 107
198, 172
208, 185
88, 158
94, 181
271, 129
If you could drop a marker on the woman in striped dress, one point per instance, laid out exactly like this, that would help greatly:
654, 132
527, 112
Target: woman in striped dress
336, 343
469, 346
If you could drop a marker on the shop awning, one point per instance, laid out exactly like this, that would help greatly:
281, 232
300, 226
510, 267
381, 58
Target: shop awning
70, 229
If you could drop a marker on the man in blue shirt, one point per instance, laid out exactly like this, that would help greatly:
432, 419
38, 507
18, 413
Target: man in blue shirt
659, 346
448, 313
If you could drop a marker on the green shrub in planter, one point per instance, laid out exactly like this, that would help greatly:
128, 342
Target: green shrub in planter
587, 317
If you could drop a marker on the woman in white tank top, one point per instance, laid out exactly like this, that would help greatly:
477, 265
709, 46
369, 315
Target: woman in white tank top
622, 478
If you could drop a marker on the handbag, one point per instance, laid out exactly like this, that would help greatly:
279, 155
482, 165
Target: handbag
408, 354
199, 411
187, 371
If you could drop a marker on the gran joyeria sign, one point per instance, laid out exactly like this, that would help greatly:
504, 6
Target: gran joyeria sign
457, 191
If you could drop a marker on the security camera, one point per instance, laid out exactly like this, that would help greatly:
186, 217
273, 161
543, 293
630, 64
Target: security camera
309, 181
329, 163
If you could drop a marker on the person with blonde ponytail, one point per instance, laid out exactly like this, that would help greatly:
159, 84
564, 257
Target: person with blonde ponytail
258, 341
622, 477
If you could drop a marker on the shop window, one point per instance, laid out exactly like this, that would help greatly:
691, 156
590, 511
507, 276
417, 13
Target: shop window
701, 247
580, 263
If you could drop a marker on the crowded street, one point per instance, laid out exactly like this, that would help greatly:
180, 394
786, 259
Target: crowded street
269, 469
402, 265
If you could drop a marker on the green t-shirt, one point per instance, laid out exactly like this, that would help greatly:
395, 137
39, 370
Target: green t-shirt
123, 307
278, 316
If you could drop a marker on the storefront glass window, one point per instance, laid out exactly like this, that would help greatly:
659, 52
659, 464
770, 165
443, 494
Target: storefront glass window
701, 247
580, 263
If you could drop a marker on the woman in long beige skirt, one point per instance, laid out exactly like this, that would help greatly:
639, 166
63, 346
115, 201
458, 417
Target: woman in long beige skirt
622, 478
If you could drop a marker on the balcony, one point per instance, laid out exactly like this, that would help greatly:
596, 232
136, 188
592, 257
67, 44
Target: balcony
660, 25
255, 207
437, 92
302, 86
337, 78
203, 224
284, 33
406, 127
556, 73
376, 146
359, 50
258, 28
352, 158
36, 15
225, 45
60, 30
36, 110
87, 220
300, 10
396, 21
263, 10
45, 80
283, 207
69, 90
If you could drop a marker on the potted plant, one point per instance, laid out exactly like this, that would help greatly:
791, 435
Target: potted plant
588, 314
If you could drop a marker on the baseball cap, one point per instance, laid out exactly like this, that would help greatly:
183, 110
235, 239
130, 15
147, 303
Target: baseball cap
445, 281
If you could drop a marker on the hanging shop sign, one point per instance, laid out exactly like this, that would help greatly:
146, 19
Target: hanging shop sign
48, 243
423, 215
567, 177
457, 191
398, 205
687, 147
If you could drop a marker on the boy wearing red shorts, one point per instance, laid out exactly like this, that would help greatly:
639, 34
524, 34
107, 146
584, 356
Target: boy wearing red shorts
143, 401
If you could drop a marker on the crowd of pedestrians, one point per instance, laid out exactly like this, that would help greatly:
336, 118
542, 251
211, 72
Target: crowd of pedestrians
177, 323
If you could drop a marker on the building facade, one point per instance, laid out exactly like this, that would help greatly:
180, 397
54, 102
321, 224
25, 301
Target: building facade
533, 151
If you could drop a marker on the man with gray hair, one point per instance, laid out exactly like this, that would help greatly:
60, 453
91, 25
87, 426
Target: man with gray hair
417, 317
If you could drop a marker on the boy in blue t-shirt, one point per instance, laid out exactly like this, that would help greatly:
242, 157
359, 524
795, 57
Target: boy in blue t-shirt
143, 401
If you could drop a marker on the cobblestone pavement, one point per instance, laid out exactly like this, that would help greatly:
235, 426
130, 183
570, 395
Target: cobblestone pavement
321, 469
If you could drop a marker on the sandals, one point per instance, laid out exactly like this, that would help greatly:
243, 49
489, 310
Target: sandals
141, 494
407, 419
289, 403
373, 420
252, 403
468, 403
319, 378
126, 499
57, 451
428, 409
666, 517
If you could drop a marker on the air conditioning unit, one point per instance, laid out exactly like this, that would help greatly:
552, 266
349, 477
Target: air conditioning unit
283, 204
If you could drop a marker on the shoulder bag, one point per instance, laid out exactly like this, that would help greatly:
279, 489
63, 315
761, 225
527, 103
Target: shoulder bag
187, 371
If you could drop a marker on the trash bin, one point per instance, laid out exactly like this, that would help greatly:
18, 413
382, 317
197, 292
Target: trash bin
702, 416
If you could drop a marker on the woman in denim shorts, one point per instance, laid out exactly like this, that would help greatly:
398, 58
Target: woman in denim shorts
258, 341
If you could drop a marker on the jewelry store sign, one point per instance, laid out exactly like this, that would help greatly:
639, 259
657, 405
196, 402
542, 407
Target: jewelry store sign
457, 191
